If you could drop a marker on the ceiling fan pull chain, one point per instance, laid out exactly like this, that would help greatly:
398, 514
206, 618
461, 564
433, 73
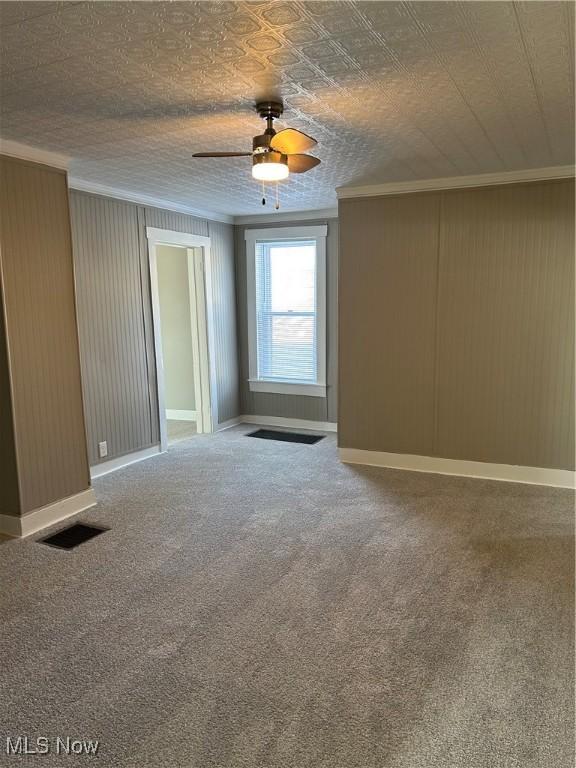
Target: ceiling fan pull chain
263, 194
277, 197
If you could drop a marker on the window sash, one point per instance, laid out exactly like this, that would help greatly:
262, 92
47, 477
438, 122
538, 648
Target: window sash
284, 359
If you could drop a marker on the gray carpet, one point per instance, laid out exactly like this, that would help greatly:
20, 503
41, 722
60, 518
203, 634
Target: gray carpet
259, 605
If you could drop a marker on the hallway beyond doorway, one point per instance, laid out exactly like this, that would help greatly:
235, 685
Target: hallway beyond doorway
180, 430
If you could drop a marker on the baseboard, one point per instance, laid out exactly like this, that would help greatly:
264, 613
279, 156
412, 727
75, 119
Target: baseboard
227, 424
98, 470
560, 478
181, 415
280, 421
43, 517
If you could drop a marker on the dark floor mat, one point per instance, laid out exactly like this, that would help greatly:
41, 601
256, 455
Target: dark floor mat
71, 537
286, 437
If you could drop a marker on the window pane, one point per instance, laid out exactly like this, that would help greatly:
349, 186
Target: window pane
291, 353
286, 310
293, 278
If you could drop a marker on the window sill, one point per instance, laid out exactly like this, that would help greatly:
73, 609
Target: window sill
287, 388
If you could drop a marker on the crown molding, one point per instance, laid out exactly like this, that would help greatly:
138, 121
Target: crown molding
457, 182
33, 154
272, 218
62, 162
154, 202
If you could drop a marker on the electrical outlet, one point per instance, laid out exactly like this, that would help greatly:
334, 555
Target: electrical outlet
103, 449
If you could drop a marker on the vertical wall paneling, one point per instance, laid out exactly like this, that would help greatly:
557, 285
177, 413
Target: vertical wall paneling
178, 222
10, 495
115, 318
457, 324
148, 325
290, 406
111, 324
387, 306
506, 319
39, 303
225, 331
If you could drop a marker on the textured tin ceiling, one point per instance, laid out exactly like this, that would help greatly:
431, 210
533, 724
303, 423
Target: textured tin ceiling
392, 91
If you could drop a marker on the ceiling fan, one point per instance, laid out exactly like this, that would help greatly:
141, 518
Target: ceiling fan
275, 155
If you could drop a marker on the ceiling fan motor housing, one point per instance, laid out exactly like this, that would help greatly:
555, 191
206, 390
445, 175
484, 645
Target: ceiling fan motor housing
270, 157
261, 144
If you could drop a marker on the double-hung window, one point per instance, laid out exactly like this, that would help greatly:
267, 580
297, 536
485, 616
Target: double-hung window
287, 310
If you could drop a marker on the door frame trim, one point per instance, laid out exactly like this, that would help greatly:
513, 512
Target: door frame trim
198, 249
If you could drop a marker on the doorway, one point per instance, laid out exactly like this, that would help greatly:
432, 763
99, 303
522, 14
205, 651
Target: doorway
180, 283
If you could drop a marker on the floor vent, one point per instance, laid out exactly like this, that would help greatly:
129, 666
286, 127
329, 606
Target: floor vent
71, 537
285, 437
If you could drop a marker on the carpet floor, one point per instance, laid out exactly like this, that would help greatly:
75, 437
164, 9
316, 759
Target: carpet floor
260, 605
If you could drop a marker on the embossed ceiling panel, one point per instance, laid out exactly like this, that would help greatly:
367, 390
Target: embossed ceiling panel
393, 91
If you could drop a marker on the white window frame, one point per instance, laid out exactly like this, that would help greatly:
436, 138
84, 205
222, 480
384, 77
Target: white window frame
283, 234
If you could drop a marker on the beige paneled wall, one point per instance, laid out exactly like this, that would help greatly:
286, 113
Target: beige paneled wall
291, 406
457, 324
10, 494
388, 273
505, 326
40, 325
115, 321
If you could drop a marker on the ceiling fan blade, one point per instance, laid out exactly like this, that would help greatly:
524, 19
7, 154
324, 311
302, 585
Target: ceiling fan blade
290, 141
301, 163
222, 154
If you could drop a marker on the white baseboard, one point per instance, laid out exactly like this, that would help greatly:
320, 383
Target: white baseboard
40, 518
280, 421
181, 415
561, 478
227, 424
98, 470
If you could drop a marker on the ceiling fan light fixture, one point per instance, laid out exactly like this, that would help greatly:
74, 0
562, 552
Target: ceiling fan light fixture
270, 166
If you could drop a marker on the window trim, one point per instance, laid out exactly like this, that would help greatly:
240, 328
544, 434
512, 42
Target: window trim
252, 236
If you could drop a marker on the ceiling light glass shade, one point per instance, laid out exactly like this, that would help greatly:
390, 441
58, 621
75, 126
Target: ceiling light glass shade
270, 166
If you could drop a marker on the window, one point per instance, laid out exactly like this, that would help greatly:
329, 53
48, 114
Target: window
286, 310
